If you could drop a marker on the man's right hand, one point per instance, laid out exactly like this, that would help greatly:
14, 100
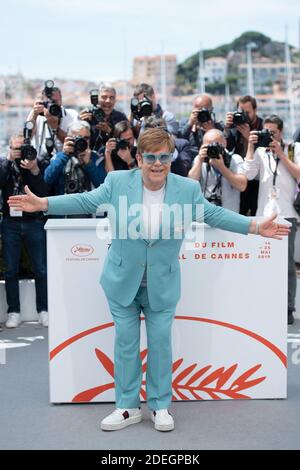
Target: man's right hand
38, 108
85, 115
202, 153
229, 120
193, 119
28, 202
68, 147
111, 145
253, 139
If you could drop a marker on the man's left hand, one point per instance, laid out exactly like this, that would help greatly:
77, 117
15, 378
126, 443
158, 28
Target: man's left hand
30, 165
244, 129
276, 148
53, 121
85, 157
270, 229
125, 155
104, 127
217, 163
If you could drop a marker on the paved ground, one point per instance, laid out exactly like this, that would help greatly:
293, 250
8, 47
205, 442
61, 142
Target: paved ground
29, 422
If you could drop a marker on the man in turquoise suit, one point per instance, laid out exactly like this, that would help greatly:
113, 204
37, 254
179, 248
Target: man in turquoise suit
141, 271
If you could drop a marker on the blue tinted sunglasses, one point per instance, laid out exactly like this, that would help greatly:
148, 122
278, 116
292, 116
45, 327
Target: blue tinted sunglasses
150, 158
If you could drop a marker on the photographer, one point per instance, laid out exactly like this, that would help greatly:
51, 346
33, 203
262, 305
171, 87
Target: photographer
267, 158
77, 166
201, 120
182, 160
51, 121
221, 175
20, 168
238, 125
120, 151
101, 115
144, 104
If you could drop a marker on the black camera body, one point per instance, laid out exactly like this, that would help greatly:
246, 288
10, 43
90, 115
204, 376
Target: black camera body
98, 115
80, 145
141, 108
53, 108
215, 199
28, 152
240, 117
205, 115
214, 150
74, 179
122, 144
264, 138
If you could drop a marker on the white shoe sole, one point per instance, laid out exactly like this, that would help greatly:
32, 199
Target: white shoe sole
123, 424
163, 427
12, 326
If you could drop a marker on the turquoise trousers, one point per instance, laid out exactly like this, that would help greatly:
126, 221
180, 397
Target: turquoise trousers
128, 366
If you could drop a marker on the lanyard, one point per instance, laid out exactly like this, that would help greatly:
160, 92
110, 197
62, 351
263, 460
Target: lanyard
274, 173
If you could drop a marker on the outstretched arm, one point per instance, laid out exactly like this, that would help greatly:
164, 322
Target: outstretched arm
83, 203
233, 222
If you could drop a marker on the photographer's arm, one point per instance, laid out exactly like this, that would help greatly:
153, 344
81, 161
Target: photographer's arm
252, 160
82, 203
216, 216
5, 167
55, 168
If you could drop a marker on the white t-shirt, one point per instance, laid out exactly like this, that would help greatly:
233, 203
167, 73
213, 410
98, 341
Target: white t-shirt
230, 195
152, 211
152, 215
42, 131
264, 164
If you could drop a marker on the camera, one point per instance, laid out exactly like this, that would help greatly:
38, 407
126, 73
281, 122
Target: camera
264, 138
205, 115
74, 179
214, 150
28, 152
215, 199
80, 145
98, 114
240, 117
52, 107
141, 108
122, 144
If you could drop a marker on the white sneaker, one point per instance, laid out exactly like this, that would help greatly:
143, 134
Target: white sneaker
43, 318
120, 418
13, 320
162, 420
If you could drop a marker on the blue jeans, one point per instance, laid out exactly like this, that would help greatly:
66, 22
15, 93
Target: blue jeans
33, 235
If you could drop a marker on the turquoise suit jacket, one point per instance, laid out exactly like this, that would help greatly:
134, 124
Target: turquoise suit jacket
128, 258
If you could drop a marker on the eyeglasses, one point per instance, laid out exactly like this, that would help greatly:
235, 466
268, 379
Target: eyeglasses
163, 158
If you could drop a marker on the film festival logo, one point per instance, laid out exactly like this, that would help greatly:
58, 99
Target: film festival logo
194, 377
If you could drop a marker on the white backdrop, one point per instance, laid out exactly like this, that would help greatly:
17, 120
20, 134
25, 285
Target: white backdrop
229, 336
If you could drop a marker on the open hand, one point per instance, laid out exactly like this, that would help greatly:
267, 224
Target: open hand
28, 202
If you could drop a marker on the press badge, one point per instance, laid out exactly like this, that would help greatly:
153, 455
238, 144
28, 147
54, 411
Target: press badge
14, 213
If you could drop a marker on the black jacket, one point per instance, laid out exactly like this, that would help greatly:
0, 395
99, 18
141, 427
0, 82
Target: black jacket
10, 178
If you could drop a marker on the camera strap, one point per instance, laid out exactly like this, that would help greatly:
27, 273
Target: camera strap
218, 186
274, 173
17, 180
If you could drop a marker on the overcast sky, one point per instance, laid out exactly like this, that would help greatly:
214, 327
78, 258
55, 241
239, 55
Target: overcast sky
96, 39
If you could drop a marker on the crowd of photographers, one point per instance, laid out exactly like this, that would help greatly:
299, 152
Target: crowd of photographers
242, 164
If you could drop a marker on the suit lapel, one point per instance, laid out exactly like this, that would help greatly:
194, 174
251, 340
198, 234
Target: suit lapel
171, 197
135, 196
